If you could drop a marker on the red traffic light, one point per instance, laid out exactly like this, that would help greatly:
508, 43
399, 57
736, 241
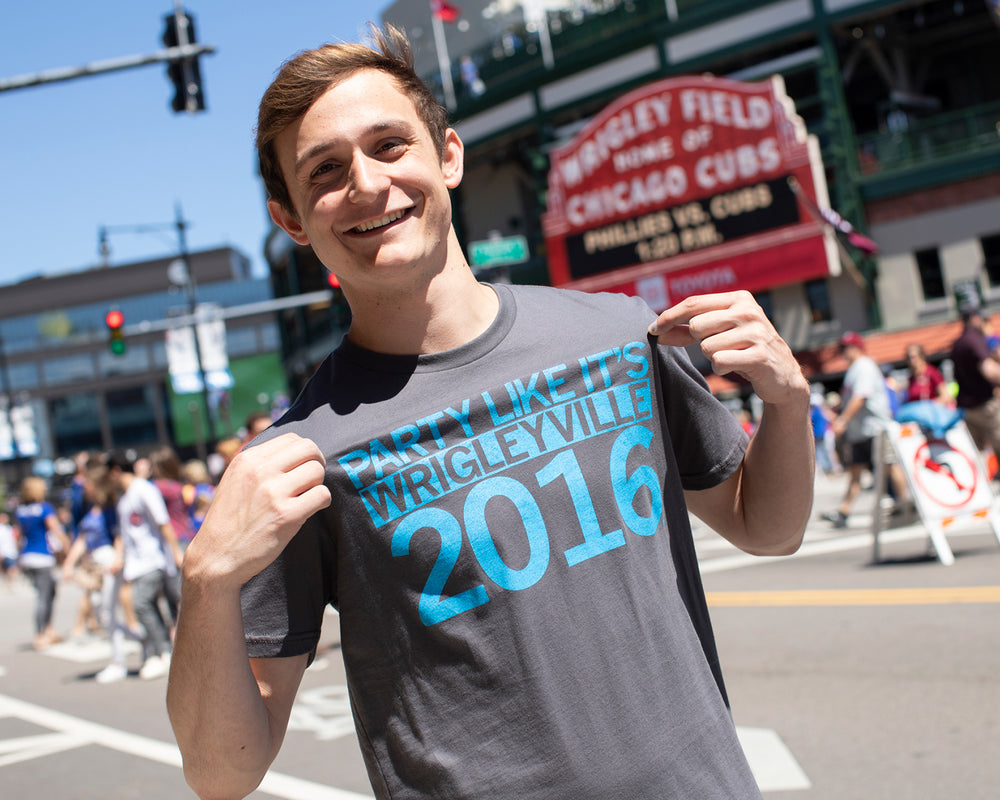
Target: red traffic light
333, 280
114, 319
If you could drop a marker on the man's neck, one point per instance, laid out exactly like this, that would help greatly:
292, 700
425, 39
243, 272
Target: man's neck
453, 310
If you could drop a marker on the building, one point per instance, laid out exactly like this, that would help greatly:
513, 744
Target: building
902, 97
66, 391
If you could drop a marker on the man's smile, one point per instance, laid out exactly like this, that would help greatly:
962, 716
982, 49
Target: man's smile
381, 222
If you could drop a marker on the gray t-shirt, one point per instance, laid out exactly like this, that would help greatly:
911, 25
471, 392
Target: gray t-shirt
520, 608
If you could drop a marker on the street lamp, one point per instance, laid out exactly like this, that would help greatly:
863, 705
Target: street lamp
178, 274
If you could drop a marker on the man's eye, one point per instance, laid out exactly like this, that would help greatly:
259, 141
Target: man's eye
323, 169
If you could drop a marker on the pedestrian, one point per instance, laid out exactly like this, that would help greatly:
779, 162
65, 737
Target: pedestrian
256, 422
508, 542
820, 418
9, 550
865, 411
42, 537
100, 550
926, 381
977, 374
198, 491
71, 516
168, 477
151, 555
474, 84
225, 451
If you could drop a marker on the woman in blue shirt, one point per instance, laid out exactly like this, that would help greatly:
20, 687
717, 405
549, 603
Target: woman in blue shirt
42, 536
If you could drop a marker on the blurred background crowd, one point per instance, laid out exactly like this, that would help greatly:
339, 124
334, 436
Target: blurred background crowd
118, 531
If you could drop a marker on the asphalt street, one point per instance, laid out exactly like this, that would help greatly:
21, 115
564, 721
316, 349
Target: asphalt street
848, 678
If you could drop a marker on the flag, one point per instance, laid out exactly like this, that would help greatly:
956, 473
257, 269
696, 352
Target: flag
853, 236
445, 11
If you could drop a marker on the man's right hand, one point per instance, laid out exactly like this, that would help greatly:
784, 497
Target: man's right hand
264, 496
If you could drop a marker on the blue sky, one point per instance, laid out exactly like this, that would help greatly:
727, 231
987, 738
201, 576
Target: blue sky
108, 150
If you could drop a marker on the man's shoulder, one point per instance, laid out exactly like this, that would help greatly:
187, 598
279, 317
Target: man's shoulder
970, 342
570, 310
555, 294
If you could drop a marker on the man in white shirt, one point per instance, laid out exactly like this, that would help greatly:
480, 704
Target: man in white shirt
150, 555
863, 413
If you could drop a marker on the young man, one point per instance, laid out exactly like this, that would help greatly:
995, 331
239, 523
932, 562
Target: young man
865, 411
507, 541
150, 555
977, 373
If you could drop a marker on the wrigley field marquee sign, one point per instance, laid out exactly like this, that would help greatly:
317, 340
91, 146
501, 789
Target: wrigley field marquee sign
684, 187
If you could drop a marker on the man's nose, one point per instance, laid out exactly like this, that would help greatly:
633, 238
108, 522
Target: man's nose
368, 178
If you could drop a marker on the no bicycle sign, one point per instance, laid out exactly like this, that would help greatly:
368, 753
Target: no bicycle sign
947, 478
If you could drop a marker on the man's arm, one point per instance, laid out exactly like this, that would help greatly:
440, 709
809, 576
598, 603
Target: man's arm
990, 369
170, 537
764, 506
230, 712
853, 407
75, 553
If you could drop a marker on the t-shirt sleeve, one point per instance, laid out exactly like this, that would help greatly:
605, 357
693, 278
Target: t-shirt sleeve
707, 439
283, 605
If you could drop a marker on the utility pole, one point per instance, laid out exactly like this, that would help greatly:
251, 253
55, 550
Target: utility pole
8, 398
181, 55
189, 291
179, 274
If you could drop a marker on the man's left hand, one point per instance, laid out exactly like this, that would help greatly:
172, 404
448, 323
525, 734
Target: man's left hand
736, 336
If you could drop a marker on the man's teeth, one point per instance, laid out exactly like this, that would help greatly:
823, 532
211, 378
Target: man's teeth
378, 223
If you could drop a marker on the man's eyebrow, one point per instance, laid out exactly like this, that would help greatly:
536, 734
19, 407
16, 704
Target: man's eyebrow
319, 149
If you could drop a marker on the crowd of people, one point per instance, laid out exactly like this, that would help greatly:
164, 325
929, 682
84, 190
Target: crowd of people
845, 425
118, 532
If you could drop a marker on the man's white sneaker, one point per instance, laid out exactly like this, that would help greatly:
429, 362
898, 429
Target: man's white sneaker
154, 667
112, 673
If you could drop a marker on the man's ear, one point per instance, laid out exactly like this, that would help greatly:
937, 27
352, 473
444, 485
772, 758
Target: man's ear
287, 221
453, 163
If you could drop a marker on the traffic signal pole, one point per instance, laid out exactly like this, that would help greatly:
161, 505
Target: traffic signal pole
181, 56
170, 54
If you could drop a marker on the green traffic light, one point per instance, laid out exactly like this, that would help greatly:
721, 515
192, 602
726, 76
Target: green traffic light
117, 343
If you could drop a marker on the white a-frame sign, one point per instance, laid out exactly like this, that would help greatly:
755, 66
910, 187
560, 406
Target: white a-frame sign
946, 477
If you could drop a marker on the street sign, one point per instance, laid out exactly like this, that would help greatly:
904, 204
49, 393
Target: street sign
17, 431
499, 251
182, 357
946, 477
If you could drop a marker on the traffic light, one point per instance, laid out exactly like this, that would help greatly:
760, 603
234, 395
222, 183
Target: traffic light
114, 319
184, 73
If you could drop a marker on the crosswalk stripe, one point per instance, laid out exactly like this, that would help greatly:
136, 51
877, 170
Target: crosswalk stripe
934, 595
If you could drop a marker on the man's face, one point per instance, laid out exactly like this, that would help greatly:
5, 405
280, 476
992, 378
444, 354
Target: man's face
369, 188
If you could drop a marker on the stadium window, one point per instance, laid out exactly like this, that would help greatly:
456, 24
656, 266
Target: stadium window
931, 275
818, 296
991, 257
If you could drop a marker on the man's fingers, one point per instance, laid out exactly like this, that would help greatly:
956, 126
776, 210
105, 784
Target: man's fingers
287, 451
690, 307
676, 336
301, 479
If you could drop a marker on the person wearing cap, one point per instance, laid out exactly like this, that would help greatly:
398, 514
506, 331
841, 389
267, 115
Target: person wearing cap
865, 408
977, 373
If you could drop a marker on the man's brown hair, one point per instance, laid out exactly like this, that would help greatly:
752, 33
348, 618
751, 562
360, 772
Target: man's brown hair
307, 76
